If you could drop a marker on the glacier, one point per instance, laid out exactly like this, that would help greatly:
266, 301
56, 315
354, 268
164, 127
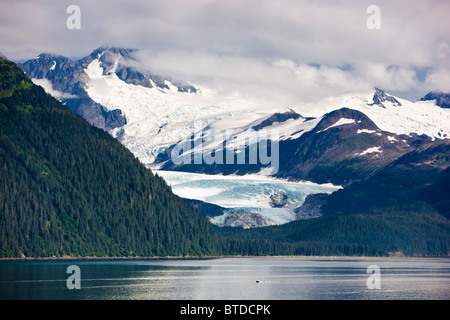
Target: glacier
249, 193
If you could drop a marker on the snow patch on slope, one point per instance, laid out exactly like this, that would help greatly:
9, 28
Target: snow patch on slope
340, 122
365, 131
370, 150
392, 139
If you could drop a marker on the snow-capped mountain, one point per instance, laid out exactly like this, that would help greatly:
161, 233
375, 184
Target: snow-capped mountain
338, 140
341, 147
69, 81
392, 114
150, 113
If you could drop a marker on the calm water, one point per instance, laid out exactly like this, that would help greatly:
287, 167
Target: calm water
227, 279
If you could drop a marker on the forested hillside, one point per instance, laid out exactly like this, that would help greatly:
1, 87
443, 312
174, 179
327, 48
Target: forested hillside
410, 229
68, 188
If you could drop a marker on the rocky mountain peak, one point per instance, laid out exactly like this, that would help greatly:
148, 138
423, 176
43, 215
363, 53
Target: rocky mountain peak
442, 99
282, 116
345, 116
380, 96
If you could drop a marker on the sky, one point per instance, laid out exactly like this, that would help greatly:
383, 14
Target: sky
287, 51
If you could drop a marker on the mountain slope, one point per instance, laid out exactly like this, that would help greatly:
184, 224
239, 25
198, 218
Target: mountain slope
344, 147
412, 229
67, 80
148, 113
144, 111
340, 147
442, 99
421, 174
68, 188
438, 194
401, 209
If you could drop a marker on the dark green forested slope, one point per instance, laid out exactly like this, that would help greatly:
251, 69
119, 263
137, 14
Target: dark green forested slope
420, 175
412, 229
68, 188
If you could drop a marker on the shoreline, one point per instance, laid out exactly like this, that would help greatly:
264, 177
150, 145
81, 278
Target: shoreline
68, 258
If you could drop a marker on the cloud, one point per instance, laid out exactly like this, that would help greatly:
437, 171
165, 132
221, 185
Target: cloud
438, 80
326, 46
48, 87
282, 80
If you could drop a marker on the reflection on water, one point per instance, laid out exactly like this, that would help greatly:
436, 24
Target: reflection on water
227, 279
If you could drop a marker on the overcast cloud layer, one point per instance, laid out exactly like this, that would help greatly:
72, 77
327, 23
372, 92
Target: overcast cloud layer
288, 51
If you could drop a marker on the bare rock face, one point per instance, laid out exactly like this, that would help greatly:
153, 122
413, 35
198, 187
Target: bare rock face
278, 200
380, 96
442, 99
247, 220
311, 208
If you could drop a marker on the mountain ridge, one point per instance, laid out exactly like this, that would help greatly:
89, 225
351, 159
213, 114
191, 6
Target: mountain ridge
329, 152
122, 93
442, 99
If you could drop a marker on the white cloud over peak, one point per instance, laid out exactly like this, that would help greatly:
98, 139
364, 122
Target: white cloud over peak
283, 49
